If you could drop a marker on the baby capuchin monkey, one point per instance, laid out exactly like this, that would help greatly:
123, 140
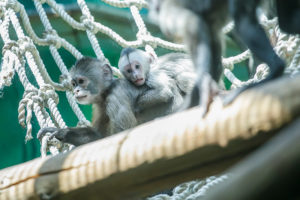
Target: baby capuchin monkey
166, 80
199, 23
112, 100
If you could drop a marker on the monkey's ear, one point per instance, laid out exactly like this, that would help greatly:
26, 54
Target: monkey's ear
151, 58
107, 72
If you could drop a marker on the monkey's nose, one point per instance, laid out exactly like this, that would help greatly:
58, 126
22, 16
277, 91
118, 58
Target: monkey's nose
135, 76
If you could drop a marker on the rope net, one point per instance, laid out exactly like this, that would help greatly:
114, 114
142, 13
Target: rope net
192, 190
42, 100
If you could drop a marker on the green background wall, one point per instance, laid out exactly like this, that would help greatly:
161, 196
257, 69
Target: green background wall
13, 149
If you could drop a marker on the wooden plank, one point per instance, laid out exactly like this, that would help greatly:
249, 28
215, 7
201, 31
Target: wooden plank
159, 154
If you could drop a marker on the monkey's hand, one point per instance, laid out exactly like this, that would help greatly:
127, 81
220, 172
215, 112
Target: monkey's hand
57, 133
75, 136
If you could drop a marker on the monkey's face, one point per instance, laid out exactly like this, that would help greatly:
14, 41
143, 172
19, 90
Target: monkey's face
83, 90
135, 73
90, 78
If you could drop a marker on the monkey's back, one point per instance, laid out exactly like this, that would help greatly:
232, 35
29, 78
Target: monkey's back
114, 113
179, 67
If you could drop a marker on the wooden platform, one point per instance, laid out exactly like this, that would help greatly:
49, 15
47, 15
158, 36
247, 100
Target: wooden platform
159, 154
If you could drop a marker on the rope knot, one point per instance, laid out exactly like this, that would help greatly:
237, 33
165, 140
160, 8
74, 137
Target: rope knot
32, 95
19, 47
262, 72
291, 46
52, 38
47, 92
146, 38
28, 101
65, 80
88, 22
13, 4
11, 46
25, 44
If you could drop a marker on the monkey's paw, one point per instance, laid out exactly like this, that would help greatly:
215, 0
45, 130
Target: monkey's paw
202, 95
208, 90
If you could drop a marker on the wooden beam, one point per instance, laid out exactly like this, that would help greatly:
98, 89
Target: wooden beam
159, 154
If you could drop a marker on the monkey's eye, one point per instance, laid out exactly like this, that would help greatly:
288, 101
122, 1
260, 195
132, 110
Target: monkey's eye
137, 66
73, 83
129, 71
80, 81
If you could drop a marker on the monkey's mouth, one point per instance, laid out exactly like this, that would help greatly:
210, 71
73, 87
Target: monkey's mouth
139, 81
81, 97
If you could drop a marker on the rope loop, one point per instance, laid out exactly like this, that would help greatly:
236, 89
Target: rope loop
146, 38
65, 80
47, 91
25, 44
13, 4
33, 94
88, 22
11, 46
52, 38
19, 47
30, 96
262, 72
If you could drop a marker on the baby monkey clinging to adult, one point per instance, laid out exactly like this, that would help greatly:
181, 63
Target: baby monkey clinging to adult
115, 101
165, 80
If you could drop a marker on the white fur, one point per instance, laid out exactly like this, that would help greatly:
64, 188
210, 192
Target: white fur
140, 56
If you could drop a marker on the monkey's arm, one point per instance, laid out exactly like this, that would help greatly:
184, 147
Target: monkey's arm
160, 92
75, 136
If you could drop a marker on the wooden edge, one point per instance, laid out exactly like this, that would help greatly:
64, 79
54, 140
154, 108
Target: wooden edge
271, 172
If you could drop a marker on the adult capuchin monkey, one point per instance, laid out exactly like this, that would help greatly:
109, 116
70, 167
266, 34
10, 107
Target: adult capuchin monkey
112, 100
199, 24
163, 82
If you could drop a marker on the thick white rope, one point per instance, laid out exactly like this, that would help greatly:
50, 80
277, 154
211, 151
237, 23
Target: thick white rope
128, 3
